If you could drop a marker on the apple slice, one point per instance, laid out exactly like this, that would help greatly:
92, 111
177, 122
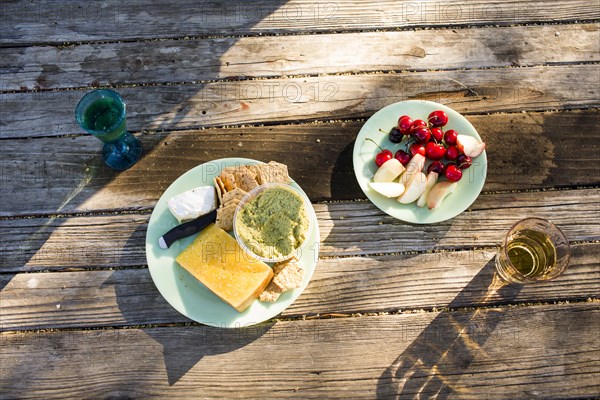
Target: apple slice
390, 170
438, 193
414, 166
432, 178
414, 188
388, 189
469, 145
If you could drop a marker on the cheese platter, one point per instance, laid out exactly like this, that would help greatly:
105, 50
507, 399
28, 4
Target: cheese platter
181, 271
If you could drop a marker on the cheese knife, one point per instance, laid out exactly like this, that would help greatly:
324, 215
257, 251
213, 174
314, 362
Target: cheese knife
186, 229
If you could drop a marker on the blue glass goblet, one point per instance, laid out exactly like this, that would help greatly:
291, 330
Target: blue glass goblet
102, 113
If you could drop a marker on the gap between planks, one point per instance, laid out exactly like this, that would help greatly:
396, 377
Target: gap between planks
321, 258
292, 123
347, 228
144, 211
556, 161
553, 353
376, 72
412, 28
343, 286
323, 316
340, 97
73, 23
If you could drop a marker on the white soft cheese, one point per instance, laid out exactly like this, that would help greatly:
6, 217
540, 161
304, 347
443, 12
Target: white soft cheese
193, 203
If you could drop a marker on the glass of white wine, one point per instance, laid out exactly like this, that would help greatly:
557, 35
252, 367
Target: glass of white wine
533, 250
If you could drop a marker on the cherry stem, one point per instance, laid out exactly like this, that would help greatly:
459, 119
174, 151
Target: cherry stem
381, 130
371, 140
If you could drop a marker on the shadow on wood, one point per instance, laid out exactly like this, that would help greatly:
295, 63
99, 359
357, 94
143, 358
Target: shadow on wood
183, 353
448, 345
194, 343
343, 181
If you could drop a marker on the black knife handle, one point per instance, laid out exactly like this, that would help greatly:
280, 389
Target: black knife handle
189, 228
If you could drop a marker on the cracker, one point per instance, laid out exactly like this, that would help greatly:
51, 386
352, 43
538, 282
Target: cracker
220, 188
288, 274
225, 217
270, 294
228, 180
246, 182
234, 202
255, 169
263, 174
229, 170
236, 194
278, 173
243, 170
273, 172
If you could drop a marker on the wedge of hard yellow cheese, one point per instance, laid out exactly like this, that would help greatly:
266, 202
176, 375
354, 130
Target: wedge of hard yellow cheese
216, 260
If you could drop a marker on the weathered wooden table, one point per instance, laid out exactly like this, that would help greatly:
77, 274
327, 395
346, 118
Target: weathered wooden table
393, 310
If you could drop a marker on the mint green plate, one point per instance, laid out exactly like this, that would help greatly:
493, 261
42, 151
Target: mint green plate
186, 294
385, 119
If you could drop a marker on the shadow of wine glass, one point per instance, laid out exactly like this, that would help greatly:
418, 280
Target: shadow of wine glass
449, 344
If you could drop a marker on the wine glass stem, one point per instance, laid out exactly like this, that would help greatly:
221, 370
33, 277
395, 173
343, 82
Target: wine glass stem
121, 145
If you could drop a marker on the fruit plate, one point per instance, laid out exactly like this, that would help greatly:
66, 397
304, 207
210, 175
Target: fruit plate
385, 119
186, 294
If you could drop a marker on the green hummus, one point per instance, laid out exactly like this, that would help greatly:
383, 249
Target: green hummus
273, 224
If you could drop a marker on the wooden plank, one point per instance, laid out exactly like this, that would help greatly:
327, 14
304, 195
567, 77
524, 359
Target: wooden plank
47, 21
161, 107
552, 351
74, 242
339, 286
49, 175
110, 64
347, 228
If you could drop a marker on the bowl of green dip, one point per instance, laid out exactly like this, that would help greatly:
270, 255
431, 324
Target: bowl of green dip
272, 222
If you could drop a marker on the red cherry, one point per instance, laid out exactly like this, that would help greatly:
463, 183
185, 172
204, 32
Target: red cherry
422, 134
436, 166
464, 161
437, 134
382, 157
450, 136
435, 151
453, 173
417, 148
405, 124
418, 123
402, 156
437, 118
452, 153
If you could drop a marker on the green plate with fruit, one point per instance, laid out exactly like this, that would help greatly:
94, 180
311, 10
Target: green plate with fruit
375, 132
